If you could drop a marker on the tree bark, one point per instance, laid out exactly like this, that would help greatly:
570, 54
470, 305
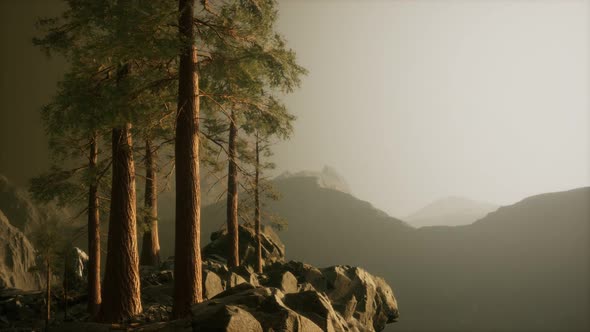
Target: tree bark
47, 292
257, 209
233, 258
66, 257
121, 292
187, 250
94, 297
150, 249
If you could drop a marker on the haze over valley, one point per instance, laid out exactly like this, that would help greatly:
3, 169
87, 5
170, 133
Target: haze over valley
295, 166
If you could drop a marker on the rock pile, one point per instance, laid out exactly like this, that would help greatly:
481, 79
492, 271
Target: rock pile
288, 296
273, 250
299, 297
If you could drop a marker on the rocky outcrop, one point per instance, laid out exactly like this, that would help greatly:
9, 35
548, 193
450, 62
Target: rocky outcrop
77, 268
360, 298
288, 297
17, 257
335, 299
327, 178
260, 308
291, 296
273, 250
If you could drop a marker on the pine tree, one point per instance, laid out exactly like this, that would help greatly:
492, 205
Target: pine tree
150, 252
273, 123
126, 42
121, 287
246, 69
49, 240
71, 124
187, 251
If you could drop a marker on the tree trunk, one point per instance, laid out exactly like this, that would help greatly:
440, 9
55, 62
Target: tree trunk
257, 209
150, 249
187, 248
94, 297
66, 257
48, 292
121, 294
233, 258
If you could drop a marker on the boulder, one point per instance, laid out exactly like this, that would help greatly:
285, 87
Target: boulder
212, 284
317, 308
250, 304
364, 301
234, 279
227, 318
17, 258
246, 272
77, 269
305, 273
179, 325
283, 280
273, 249
358, 295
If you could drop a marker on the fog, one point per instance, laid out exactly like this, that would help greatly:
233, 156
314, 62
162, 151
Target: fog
409, 100
412, 101
485, 102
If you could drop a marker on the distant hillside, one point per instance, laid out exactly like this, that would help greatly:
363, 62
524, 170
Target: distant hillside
308, 207
450, 211
524, 267
327, 178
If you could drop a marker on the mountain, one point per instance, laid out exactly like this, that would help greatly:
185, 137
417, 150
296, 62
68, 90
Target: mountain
327, 178
524, 267
18, 206
17, 257
450, 211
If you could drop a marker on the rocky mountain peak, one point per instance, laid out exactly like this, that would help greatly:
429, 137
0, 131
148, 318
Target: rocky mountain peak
327, 178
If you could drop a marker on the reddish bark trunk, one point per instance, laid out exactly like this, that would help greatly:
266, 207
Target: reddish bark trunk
66, 257
233, 258
187, 250
47, 292
257, 209
121, 293
94, 297
150, 249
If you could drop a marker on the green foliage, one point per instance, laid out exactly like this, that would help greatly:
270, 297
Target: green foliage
246, 68
50, 239
121, 56
124, 67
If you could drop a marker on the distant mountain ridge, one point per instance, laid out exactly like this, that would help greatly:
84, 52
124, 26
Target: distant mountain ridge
450, 211
327, 178
523, 267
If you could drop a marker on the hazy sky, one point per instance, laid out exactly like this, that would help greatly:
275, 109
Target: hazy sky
409, 100
416, 100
